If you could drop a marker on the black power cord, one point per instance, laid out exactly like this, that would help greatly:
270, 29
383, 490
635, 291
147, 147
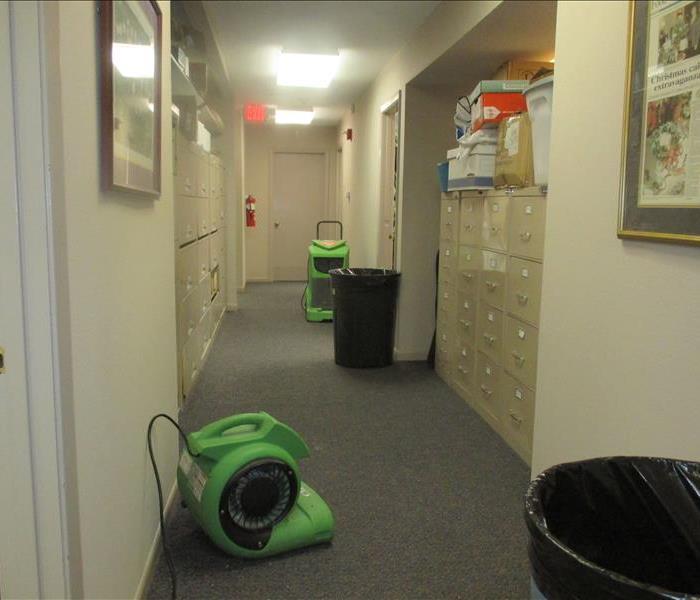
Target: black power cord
166, 551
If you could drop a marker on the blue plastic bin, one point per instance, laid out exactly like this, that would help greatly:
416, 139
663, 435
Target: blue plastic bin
443, 169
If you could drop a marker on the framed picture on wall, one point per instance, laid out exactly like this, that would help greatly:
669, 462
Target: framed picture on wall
130, 47
660, 188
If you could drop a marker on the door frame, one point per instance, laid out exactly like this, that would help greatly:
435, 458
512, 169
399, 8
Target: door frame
390, 110
328, 206
51, 549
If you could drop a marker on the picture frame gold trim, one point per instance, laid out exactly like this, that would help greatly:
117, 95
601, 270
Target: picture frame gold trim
622, 231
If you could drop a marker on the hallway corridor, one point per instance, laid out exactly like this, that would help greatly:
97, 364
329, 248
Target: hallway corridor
428, 500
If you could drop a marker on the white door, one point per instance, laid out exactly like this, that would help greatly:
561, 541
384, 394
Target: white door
19, 571
299, 201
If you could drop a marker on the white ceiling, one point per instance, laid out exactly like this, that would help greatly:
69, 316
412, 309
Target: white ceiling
514, 30
250, 36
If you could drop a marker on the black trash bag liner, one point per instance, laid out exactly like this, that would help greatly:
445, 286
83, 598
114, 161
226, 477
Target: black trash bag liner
619, 527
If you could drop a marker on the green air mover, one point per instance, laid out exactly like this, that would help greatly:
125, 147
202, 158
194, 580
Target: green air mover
324, 255
243, 487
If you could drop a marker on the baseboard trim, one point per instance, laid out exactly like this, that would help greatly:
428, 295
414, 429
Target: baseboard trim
154, 552
410, 356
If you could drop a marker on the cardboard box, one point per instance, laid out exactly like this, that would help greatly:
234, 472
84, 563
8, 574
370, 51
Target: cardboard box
496, 87
521, 69
514, 166
469, 170
491, 108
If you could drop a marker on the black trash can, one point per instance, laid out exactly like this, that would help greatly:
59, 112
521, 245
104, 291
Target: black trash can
616, 528
364, 315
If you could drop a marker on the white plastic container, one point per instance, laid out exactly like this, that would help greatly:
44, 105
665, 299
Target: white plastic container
539, 107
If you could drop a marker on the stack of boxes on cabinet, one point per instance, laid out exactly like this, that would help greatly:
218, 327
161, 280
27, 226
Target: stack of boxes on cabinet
490, 273
200, 253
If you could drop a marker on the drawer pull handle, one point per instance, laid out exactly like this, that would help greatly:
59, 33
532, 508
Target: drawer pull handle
466, 324
494, 229
491, 285
486, 390
468, 276
516, 419
469, 227
449, 223
490, 339
461, 369
519, 359
522, 299
525, 236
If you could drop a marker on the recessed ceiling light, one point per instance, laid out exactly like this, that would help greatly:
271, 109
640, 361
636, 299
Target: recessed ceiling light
135, 61
307, 70
293, 117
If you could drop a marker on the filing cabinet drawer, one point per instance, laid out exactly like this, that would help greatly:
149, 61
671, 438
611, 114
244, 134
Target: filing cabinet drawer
487, 393
520, 351
216, 212
189, 314
187, 270
470, 218
185, 220
214, 250
527, 222
448, 258
492, 279
447, 303
205, 297
221, 214
519, 414
202, 174
202, 259
443, 355
187, 170
466, 313
494, 232
449, 220
524, 289
465, 367
191, 358
489, 332
213, 210
468, 264
202, 217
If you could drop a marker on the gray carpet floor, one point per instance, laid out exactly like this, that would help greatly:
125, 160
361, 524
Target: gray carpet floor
428, 500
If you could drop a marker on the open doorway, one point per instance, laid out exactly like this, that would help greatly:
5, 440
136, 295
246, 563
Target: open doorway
389, 180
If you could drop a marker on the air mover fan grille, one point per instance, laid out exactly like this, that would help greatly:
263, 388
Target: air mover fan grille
261, 495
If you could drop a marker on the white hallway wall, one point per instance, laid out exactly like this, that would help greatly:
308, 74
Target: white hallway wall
448, 23
618, 360
116, 294
260, 142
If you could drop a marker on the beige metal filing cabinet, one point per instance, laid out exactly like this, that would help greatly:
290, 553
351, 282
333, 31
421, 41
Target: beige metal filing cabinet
199, 255
489, 282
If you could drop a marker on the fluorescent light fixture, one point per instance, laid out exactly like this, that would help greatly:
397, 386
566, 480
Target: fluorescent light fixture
134, 61
293, 117
307, 70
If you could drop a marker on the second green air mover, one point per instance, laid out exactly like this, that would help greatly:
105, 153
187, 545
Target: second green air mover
244, 488
324, 255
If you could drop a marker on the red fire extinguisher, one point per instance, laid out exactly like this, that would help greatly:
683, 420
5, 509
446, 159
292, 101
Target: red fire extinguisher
250, 211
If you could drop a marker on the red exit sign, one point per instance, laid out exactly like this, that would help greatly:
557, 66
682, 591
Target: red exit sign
254, 113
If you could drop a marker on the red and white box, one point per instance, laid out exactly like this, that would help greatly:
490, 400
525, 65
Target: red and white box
491, 108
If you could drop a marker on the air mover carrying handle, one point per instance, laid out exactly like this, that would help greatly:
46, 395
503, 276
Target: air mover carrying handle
318, 228
217, 429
